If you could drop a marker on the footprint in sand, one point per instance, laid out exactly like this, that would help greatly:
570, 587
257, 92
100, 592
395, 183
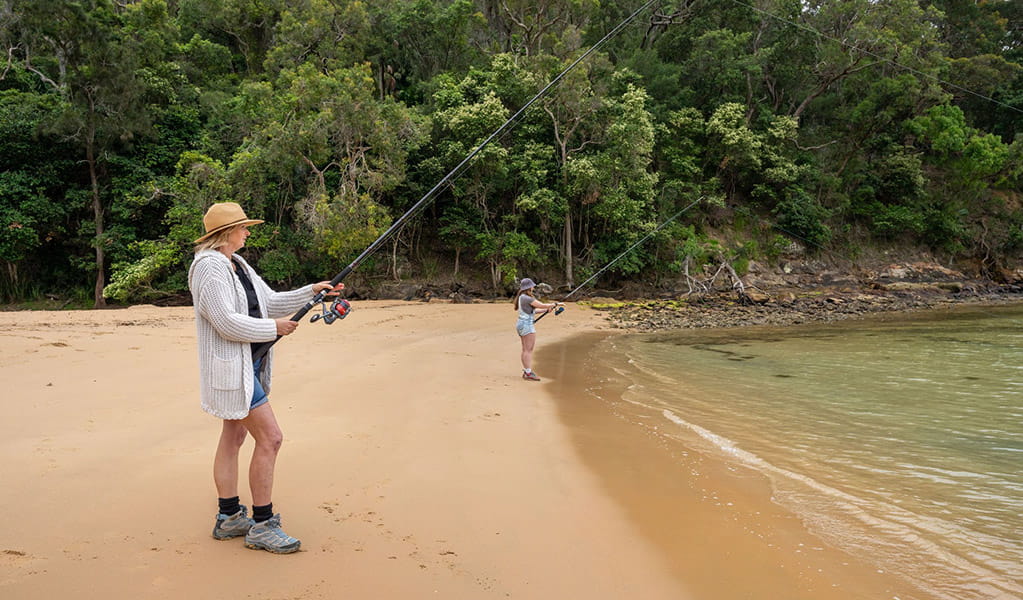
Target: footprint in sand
331, 508
15, 563
14, 555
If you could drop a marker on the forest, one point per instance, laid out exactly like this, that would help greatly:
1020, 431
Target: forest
839, 126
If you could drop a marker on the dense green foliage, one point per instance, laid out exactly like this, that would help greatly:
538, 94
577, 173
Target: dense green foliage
834, 124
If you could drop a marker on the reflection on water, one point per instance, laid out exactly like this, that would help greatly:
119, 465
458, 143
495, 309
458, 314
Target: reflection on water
900, 441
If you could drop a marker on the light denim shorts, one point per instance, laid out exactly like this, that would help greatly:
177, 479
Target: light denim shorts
525, 326
259, 397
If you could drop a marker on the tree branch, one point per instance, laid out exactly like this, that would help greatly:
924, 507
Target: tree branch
41, 75
815, 147
10, 62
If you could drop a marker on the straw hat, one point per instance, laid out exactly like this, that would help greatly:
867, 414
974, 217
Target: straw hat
223, 215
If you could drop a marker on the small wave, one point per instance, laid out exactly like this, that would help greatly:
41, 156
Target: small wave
1003, 449
896, 535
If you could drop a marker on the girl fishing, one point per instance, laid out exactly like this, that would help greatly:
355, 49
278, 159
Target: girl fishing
526, 305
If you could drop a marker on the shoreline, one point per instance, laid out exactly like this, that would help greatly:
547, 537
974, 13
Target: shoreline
714, 522
822, 306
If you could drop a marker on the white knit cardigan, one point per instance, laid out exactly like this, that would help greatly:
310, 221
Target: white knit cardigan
224, 331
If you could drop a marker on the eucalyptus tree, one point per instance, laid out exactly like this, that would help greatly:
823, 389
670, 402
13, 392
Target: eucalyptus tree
101, 58
615, 181
325, 151
247, 27
324, 33
33, 224
984, 44
532, 27
576, 111
413, 42
858, 36
466, 112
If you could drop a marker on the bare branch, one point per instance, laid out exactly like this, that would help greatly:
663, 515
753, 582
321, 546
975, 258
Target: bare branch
660, 21
10, 62
824, 145
317, 172
582, 145
159, 193
42, 76
698, 286
692, 281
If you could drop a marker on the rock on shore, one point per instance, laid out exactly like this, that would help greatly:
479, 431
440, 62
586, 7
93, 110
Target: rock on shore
804, 292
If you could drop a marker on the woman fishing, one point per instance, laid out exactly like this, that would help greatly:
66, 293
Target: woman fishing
526, 305
235, 313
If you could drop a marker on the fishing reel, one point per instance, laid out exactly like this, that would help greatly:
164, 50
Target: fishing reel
339, 309
557, 310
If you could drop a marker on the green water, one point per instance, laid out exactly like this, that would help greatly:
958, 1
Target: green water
900, 441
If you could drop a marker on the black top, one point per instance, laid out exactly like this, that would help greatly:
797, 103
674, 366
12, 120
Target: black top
253, 299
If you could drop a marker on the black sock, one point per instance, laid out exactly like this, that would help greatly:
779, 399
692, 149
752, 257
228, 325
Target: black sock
262, 513
229, 506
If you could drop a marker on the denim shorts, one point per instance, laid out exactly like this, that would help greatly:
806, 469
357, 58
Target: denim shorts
259, 397
525, 326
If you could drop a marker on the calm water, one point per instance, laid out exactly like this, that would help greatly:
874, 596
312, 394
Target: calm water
899, 441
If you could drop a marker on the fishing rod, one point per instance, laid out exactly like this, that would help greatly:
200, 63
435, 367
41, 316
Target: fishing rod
617, 258
342, 307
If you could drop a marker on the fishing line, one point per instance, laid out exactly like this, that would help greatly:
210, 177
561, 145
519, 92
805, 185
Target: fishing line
821, 34
627, 250
422, 202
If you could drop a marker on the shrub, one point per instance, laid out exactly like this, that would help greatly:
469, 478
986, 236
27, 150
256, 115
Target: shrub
801, 216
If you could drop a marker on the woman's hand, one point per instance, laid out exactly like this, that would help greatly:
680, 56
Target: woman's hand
286, 325
325, 285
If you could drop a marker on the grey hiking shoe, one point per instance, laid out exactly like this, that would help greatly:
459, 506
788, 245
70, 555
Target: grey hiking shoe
228, 527
269, 536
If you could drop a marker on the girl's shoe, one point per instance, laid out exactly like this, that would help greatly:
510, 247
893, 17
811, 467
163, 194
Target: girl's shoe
530, 376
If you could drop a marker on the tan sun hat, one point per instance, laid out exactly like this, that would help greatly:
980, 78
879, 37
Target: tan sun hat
222, 215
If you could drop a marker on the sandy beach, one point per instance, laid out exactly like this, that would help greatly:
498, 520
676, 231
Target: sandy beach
416, 463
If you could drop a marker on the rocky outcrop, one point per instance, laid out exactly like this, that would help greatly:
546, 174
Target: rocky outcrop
805, 291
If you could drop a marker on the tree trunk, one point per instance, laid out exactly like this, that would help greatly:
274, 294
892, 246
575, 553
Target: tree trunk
568, 248
11, 289
97, 213
394, 258
495, 275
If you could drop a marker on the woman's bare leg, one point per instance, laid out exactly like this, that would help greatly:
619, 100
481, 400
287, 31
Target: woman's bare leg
225, 463
262, 424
